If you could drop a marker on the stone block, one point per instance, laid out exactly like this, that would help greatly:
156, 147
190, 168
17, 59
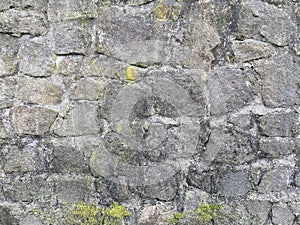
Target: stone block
276, 147
88, 89
7, 90
282, 214
81, 120
279, 124
228, 90
36, 58
8, 52
24, 4
68, 65
32, 120
38, 90
19, 22
278, 73
71, 10
259, 211
71, 38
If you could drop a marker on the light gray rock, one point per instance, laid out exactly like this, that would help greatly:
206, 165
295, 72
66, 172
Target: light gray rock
8, 87
30, 220
6, 218
32, 120
19, 22
72, 10
88, 89
228, 90
8, 52
258, 211
282, 214
276, 147
151, 215
68, 65
38, 90
36, 58
278, 73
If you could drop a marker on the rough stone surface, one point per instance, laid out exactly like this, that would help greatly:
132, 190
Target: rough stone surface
158, 105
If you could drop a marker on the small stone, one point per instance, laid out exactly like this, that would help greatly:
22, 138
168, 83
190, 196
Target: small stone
72, 10
276, 147
152, 215
250, 49
38, 90
88, 89
282, 214
8, 52
36, 58
279, 124
22, 22
71, 38
32, 120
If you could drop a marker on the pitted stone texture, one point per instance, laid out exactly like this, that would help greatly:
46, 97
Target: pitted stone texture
26, 188
3, 131
257, 18
282, 214
235, 184
6, 217
36, 58
7, 91
152, 215
250, 49
32, 120
279, 124
72, 38
129, 38
19, 22
71, 10
23, 4
202, 36
276, 147
277, 74
28, 159
275, 180
258, 211
36, 90
68, 65
82, 119
228, 90
8, 52
72, 189
88, 89
67, 156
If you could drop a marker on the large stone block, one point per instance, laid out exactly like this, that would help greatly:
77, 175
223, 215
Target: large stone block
38, 90
279, 124
32, 120
228, 90
278, 73
72, 38
70, 10
8, 51
22, 22
36, 58
81, 120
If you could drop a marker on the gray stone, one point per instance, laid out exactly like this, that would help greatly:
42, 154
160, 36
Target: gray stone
297, 180
275, 180
279, 124
71, 38
276, 147
257, 18
152, 215
235, 184
88, 89
6, 218
3, 131
24, 4
258, 211
193, 198
19, 22
30, 220
38, 90
32, 120
282, 214
68, 65
278, 73
36, 58
8, 52
72, 189
67, 157
82, 119
7, 90
28, 159
26, 188
71, 10
250, 49
228, 90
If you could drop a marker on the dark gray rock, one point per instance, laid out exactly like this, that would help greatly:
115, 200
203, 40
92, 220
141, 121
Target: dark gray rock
279, 124
278, 73
228, 90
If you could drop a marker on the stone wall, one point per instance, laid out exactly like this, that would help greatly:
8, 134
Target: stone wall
150, 102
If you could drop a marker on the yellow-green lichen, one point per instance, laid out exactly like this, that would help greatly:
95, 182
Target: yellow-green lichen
164, 12
131, 74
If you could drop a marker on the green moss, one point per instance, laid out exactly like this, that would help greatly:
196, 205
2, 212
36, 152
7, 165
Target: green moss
87, 214
208, 212
114, 214
177, 217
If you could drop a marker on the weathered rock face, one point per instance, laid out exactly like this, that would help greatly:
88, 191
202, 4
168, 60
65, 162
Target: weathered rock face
159, 105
